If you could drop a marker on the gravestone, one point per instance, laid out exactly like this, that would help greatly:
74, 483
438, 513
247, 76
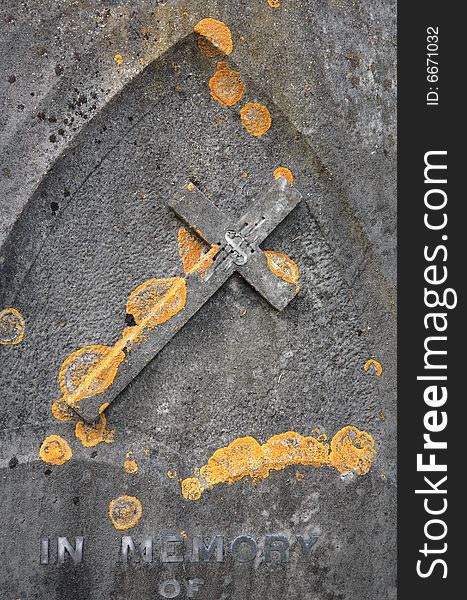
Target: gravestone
249, 354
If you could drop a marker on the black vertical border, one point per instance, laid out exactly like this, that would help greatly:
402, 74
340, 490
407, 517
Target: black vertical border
423, 128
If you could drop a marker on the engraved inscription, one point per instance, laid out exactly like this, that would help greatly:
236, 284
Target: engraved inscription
173, 548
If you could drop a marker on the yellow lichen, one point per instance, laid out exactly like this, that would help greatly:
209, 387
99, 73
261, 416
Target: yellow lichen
282, 266
196, 255
216, 37
206, 48
125, 512
226, 85
89, 371
130, 466
11, 326
92, 434
378, 367
350, 450
62, 411
245, 457
156, 301
284, 172
192, 488
118, 58
55, 450
172, 474
256, 118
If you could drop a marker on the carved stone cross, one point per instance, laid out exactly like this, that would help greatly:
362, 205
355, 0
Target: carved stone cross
239, 251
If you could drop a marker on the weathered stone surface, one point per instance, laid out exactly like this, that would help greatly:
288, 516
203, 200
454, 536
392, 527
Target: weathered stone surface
85, 218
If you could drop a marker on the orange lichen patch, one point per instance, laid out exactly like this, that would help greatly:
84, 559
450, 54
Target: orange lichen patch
226, 85
274, 3
196, 255
156, 301
11, 326
89, 371
378, 367
131, 336
245, 457
292, 448
125, 512
192, 488
256, 118
284, 172
61, 410
216, 33
130, 466
352, 450
190, 249
282, 266
206, 48
103, 407
55, 450
92, 434
118, 58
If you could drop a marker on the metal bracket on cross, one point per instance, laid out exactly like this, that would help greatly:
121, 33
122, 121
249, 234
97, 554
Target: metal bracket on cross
239, 251
239, 242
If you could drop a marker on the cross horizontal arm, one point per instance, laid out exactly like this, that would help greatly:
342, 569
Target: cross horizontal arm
273, 289
192, 206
